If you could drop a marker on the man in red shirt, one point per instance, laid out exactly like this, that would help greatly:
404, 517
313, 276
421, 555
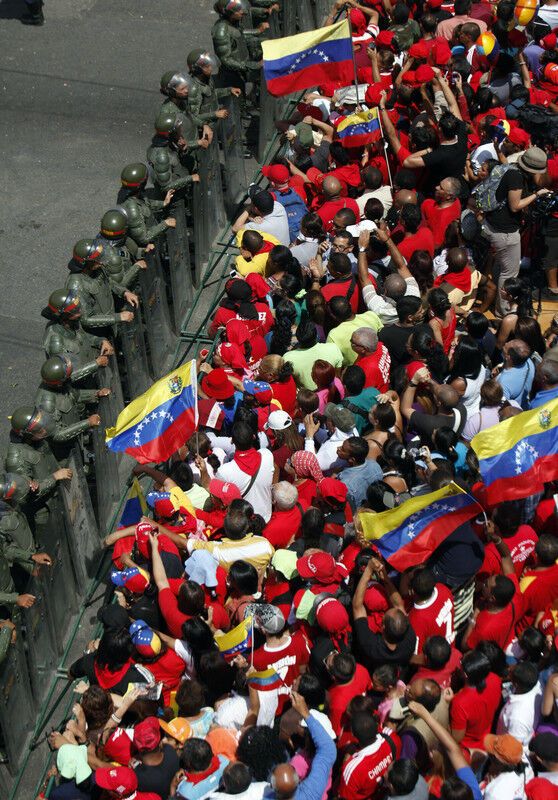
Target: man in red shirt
362, 773
444, 208
333, 202
440, 662
432, 611
286, 516
417, 236
343, 283
503, 603
538, 585
520, 539
374, 358
349, 680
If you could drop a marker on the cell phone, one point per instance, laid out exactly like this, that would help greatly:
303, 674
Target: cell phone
404, 705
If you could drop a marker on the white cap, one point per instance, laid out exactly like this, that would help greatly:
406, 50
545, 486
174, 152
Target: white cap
278, 421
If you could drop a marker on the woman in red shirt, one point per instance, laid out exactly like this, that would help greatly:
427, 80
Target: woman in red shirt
279, 374
443, 319
474, 706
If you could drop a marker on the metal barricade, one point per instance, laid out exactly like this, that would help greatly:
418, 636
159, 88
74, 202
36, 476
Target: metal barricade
39, 633
17, 706
234, 164
180, 270
209, 205
107, 485
305, 15
80, 521
161, 338
269, 112
131, 337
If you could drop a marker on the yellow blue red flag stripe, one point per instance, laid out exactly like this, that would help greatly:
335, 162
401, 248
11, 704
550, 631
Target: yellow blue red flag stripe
360, 128
308, 59
154, 425
409, 534
239, 640
518, 456
136, 506
265, 679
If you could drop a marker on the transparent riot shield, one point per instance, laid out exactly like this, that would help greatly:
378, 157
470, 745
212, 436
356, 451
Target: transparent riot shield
83, 532
161, 338
180, 270
136, 376
39, 633
234, 163
17, 706
208, 204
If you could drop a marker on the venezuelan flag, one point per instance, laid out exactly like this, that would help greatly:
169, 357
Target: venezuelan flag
518, 456
154, 425
265, 680
136, 506
308, 59
409, 534
239, 640
360, 128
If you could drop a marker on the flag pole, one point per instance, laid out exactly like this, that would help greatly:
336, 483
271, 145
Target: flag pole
385, 146
355, 79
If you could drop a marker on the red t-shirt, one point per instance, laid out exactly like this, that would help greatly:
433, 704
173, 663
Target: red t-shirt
438, 219
539, 589
499, 627
441, 676
362, 773
541, 789
340, 288
546, 519
473, 712
174, 618
423, 239
262, 325
282, 527
433, 618
330, 208
521, 545
340, 695
376, 368
285, 393
168, 669
286, 660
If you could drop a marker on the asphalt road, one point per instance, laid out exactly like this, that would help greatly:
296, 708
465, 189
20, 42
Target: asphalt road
78, 99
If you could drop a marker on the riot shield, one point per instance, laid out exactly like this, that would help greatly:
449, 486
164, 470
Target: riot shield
180, 271
160, 336
234, 163
17, 706
80, 521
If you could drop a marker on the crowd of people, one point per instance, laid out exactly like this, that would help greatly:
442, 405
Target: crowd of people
379, 316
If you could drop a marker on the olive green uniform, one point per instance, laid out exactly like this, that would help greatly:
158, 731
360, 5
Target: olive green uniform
97, 300
168, 171
66, 405
143, 228
203, 100
239, 52
79, 346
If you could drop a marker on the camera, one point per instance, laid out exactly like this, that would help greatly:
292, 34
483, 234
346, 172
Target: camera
544, 206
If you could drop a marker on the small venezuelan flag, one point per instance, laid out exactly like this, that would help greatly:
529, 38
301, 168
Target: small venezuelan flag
265, 680
360, 128
154, 425
308, 59
409, 534
518, 456
135, 508
239, 640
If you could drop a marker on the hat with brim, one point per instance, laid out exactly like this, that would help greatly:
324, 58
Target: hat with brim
178, 728
217, 385
533, 160
71, 761
506, 748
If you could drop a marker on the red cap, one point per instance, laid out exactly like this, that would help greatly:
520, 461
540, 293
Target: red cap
331, 487
374, 94
434, 3
375, 599
237, 331
217, 385
385, 39
232, 355
147, 735
419, 50
120, 780
118, 747
258, 285
276, 173
409, 78
224, 490
308, 110
320, 567
440, 53
331, 616
424, 74
519, 137
548, 42
164, 507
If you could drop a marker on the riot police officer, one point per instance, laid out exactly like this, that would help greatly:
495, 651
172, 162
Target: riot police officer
175, 86
142, 225
114, 239
94, 289
239, 51
15, 534
64, 335
203, 96
169, 171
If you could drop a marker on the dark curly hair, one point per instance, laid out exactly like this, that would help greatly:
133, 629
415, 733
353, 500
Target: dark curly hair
261, 749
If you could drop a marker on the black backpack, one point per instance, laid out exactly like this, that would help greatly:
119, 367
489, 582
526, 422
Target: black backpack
540, 122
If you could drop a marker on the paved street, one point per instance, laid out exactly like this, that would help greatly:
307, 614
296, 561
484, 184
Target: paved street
78, 98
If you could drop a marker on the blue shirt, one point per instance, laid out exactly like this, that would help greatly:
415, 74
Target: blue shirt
358, 479
544, 396
197, 791
315, 783
467, 775
517, 381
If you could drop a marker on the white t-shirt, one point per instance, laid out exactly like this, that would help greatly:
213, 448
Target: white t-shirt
260, 493
549, 14
520, 715
383, 194
508, 786
232, 712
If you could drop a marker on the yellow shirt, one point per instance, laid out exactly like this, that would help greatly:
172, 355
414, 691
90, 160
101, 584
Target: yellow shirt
256, 263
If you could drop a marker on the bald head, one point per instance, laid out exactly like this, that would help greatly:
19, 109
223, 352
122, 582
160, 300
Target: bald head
405, 196
284, 781
395, 287
331, 187
447, 397
457, 259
